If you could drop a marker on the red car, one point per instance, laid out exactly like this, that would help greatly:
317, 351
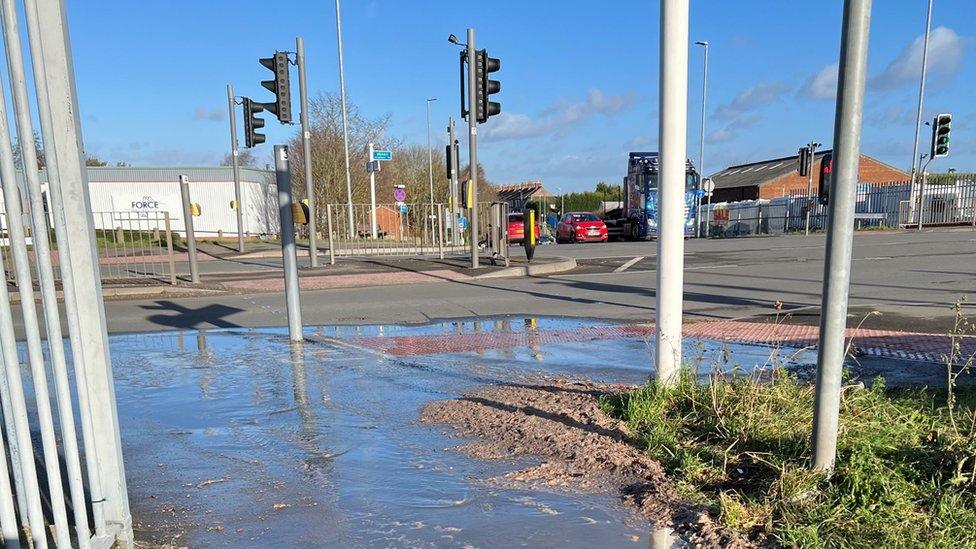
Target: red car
516, 228
581, 227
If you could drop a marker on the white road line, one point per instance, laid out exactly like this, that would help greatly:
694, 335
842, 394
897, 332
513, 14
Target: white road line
870, 258
627, 265
710, 267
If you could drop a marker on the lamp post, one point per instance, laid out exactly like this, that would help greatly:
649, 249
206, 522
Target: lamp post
430, 167
921, 95
345, 121
701, 138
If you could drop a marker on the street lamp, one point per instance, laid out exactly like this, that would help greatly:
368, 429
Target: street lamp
345, 121
701, 141
921, 96
430, 167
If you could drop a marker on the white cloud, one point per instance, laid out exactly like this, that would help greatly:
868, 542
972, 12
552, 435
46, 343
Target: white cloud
751, 99
213, 115
732, 130
558, 118
946, 52
822, 85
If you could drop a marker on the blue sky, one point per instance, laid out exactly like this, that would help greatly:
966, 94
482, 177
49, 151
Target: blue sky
579, 78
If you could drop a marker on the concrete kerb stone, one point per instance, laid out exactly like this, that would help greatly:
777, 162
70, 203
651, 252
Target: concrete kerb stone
552, 266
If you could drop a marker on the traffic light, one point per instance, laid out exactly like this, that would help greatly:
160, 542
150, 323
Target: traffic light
803, 161
279, 85
450, 154
826, 171
486, 87
252, 123
941, 126
467, 194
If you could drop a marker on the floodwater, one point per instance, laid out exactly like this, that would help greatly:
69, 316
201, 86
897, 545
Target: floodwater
240, 439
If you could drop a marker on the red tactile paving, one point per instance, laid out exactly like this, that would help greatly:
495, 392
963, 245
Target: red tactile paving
878, 343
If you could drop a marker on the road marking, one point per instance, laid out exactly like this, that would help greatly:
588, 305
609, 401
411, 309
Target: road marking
870, 258
628, 265
710, 267
583, 275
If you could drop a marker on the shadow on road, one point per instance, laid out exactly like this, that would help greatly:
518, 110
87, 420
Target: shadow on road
185, 317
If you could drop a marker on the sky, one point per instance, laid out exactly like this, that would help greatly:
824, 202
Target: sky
579, 78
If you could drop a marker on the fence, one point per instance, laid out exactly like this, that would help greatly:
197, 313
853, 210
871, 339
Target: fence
876, 207
132, 246
419, 229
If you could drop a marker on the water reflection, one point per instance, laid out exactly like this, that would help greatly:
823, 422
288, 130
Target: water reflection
663, 537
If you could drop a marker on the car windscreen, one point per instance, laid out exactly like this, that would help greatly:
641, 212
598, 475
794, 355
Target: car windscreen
584, 217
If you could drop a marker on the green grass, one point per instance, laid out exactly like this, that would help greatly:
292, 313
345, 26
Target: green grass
905, 466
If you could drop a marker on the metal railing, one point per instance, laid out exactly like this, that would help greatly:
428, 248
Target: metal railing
940, 204
132, 246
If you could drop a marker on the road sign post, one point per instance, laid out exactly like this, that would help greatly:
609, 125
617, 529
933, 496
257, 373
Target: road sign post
289, 255
191, 240
235, 160
313, 252
371, 167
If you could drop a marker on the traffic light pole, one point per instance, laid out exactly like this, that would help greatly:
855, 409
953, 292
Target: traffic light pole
372, 192
313, 252
473, 146
840, 233
289, 256
191, 239
813, 150
672, 137
238, 206
452, 153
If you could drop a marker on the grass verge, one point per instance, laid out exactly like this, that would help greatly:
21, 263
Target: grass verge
905, 465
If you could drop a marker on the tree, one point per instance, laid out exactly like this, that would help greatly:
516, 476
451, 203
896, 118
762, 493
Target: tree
38, 150
94, 162
244, 157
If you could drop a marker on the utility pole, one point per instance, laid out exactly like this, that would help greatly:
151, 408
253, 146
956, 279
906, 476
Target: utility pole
921, 97
473, 145
430, 168
701, 137
345, 122
672, 136
812, 148
453, 160
313, 252
232, 114
840, 233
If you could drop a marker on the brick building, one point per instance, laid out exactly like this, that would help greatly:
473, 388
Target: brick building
778, 177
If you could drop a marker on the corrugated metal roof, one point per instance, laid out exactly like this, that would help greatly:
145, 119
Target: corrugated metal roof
133, 174
757, 173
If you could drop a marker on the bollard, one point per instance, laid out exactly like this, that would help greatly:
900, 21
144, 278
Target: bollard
119, 235
191, 239
328, 217
289, 255
529, 240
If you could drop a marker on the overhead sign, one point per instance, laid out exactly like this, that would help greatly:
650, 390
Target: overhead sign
400, 193
382, 155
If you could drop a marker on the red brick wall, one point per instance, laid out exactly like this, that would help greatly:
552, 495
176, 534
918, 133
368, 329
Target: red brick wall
870, 171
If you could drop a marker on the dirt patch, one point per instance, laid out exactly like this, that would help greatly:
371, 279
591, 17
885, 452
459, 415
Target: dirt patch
561, 421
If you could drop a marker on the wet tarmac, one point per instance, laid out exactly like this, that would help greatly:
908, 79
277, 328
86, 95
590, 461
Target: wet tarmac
238, 438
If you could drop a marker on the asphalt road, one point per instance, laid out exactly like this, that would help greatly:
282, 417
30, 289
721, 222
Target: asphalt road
911, 278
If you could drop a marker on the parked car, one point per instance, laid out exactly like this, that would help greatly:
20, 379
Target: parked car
581, 227
516, 228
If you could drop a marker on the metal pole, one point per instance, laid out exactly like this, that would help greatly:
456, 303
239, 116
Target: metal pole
191, 239
345, 121
89, 342
921, 94
473, 146
288, 254
840, 233
313, 251
672, 136
372, 192
49, 301
811, 146
328, 222
232, 115
430, 161
440, 229
25, 287
921, 194
701, 137
453, 199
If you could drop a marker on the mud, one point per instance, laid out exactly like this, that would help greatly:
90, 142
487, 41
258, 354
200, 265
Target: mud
582, 448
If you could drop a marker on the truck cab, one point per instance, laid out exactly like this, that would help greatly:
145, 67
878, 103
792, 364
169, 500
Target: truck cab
637, 219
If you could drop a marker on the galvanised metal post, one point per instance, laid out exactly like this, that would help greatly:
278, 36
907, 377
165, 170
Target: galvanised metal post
701, 137
49, 301
89, 357
473, 146
921, 96
191, 239
372, 191
35, 354
232, 115
289, 255
313, 249
840, 232
430, 162
453, 199
328, 222
345, 121
812, 147
672, 135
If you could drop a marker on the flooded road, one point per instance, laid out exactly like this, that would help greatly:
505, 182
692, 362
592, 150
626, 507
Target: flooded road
239, 439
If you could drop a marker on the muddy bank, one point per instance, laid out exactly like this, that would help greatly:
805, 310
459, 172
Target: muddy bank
560, 420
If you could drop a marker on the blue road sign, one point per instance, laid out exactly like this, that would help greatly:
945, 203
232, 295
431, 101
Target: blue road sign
404, 208
382, 155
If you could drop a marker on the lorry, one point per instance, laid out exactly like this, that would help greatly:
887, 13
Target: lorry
637, 218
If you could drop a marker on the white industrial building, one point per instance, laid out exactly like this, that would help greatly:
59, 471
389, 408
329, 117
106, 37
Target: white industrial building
117, 192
